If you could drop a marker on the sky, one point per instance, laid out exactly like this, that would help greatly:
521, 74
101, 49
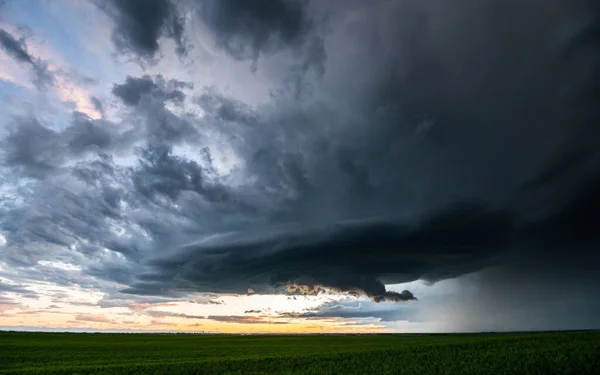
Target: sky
299, 166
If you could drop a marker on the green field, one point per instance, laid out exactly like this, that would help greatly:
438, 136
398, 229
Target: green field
77, 353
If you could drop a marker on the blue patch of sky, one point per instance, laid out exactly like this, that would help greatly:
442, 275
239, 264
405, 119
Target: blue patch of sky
61, 28
11, 93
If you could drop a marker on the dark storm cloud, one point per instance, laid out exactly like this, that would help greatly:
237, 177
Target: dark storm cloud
18, 50
140, 23
391, 296
481, 93
354, 257
86, 134
558, 169
163, 173
574, 224
247, 29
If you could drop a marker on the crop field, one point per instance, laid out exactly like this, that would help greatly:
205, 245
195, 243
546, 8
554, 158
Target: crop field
515, 353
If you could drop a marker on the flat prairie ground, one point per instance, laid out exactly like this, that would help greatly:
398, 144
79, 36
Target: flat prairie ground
512, 353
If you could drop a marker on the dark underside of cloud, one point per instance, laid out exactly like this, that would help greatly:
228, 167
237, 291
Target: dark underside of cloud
140, 23
444, 138
246, 29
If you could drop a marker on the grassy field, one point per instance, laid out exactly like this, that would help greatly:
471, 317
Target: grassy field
69, 353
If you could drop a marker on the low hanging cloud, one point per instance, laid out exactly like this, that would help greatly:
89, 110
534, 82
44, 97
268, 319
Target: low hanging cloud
334, 256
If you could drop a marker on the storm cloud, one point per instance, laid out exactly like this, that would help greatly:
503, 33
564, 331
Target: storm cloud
139, 24
247, 29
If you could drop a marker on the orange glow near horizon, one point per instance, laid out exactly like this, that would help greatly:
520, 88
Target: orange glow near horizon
21, 318
225, 314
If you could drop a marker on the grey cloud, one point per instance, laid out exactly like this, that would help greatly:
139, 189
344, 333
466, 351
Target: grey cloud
147, 97
586, 35
249, 29
163, 173
390, 296
98, 105
140, 23
134, 89
38, 150
11, 288
356, 309
293, 29
392, 172
42, 76
18, 49
33, 147
559, 169
333, 256
207, 299
224, 108
14, 47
